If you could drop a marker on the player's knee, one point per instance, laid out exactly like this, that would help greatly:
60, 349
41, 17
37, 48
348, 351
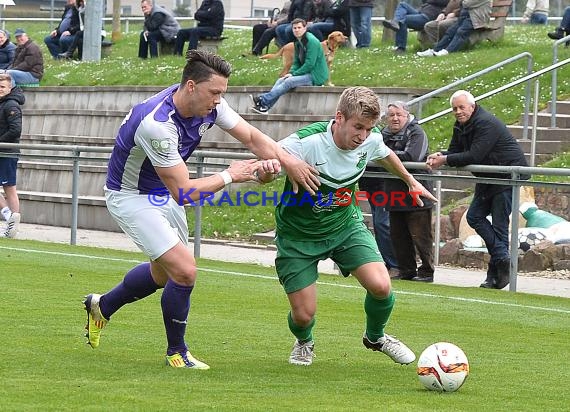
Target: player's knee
185, 275
380, 290
303, 318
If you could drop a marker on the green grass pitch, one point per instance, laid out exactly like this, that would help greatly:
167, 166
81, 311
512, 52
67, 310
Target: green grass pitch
517, 344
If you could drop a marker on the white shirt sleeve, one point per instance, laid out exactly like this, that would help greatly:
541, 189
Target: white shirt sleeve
381, 150
159, 141
292, 145
227, 117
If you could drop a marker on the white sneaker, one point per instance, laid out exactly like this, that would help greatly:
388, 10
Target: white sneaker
302, 353
392, 347
426, 53
441, 53
12, 225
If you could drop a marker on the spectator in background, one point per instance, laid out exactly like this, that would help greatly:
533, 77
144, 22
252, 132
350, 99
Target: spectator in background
10, 130
159, 25
309, 68
407, 16
536, 12
77, 43
62, 36
7, 50
210, 17
330, 16
410, 224
361, 21
434, 30
300, 9
374, 186
263, 33
322, 23
28, 65
473, 15
480, 138
564, 29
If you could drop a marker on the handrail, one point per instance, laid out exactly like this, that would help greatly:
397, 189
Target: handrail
554, 78
420, 99
200, 155
502, 88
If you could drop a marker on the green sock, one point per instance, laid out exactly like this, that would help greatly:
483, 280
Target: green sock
377, 314
303, 334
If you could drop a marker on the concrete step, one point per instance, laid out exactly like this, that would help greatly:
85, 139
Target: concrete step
312, 100
544, 119
562, 107
545, 146
39, 177
55, 209
542, 133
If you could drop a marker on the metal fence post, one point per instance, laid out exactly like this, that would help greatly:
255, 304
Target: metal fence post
516, 191
74, 197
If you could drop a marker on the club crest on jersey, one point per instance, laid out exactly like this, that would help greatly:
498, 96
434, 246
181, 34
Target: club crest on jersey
361, 160
160, 146
202, 129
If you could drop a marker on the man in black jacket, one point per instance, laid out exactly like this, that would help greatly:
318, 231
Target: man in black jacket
481, 138
11, 100
62, 36
159, 25
210, 17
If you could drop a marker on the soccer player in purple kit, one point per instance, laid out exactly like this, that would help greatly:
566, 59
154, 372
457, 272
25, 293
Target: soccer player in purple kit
152, 144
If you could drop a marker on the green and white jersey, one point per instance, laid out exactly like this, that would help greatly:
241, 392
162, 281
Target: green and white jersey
304, 217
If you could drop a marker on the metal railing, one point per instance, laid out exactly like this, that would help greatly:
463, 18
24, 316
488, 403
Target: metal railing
555, 78
419, 100
199, 156
514, 83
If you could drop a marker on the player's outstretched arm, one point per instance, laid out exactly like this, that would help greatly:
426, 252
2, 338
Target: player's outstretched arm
299, 172
393, 165
182, 188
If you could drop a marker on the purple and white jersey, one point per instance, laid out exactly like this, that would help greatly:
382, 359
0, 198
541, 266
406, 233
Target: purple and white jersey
155, 134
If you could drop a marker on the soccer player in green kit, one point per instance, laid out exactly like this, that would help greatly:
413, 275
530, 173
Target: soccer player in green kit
330, 224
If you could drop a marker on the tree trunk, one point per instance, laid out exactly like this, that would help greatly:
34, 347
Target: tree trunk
387, 34
116, 33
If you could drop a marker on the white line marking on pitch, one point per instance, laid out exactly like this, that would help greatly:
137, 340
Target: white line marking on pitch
432, 295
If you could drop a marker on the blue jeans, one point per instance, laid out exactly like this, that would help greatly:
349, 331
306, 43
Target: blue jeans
58, 44
457, 35
284, 34
151, 42
381, 223
321, 30
565, 23
193, 35
408, 17
361, 23
495, 234
282, 86
538, 18
20, 77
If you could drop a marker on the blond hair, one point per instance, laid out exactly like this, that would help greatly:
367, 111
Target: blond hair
359, 101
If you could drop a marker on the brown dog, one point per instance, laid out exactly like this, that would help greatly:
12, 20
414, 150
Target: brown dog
330, 45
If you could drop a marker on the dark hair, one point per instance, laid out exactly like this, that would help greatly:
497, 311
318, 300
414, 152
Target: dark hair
299, 20
201, 65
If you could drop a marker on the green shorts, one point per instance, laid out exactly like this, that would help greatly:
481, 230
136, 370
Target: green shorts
297, 260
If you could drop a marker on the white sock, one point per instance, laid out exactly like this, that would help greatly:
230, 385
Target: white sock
6, 212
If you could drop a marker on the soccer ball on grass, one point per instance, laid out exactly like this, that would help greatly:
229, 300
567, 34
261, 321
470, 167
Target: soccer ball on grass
443, 367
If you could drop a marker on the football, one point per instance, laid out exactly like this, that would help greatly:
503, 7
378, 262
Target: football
443, 367
529, 237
